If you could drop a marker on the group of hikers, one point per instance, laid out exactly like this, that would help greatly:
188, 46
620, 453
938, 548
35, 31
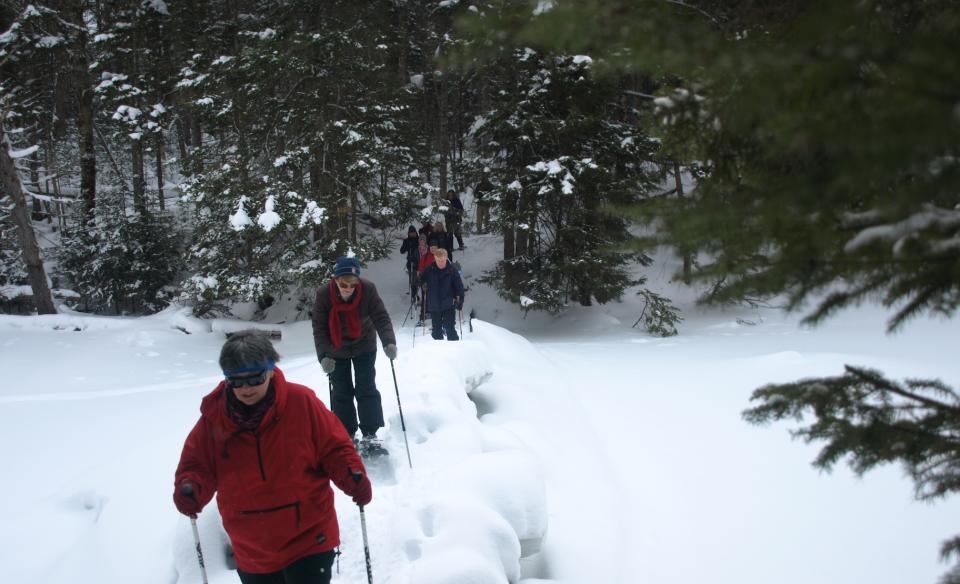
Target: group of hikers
269, 448
434, 280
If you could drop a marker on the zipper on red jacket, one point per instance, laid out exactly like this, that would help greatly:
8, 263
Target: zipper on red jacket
263, 473
256, 437
294, 506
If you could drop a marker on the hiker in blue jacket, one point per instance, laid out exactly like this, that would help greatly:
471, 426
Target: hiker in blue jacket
444, 295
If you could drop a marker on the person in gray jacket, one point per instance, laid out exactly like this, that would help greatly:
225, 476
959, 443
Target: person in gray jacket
348, 314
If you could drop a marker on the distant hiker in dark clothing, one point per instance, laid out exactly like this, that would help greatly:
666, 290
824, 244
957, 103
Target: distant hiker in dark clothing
411, 247
442, 239
269, 449
348, 314
454, 217
481, 198
444, 295
426, 230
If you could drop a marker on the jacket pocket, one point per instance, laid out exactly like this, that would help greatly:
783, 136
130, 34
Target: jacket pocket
262, 532
278, 509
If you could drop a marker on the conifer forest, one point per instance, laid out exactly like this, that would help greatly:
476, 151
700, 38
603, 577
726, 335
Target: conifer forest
213, 152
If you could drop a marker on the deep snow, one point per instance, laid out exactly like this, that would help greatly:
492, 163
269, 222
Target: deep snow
598, 452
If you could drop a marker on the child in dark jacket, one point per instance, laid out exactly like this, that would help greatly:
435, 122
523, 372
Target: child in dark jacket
444, 295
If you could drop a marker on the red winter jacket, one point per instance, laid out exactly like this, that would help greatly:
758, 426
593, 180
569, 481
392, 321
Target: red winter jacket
426, 259
272, 485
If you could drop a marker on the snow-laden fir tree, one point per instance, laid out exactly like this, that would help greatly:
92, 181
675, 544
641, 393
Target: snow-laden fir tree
304, 149
828, 134
562, 150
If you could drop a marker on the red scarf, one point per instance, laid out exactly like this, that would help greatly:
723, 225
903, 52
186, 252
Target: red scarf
351, 312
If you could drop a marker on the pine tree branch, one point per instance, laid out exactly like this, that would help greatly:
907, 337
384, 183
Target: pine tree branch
873, 378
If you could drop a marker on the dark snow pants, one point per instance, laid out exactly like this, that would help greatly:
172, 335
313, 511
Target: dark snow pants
444, 320
313, 569
368, 404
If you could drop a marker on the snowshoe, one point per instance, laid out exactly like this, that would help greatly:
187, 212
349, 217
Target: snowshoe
376, 459
371, 446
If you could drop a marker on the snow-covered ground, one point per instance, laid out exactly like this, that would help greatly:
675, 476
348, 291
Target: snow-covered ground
597, 452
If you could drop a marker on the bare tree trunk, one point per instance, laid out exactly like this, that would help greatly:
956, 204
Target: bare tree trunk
38, 212
139, 184
196, 141
442, 134
61, 92
523, 233
354, 210
687, 258
403, 77
29, 249
85, 112
509, 238
182, 138
159, 147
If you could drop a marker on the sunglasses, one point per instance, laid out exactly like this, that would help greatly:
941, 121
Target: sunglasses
251, 380
347, 285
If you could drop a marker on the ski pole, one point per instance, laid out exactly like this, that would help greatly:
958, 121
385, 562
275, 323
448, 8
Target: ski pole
331, 391
187, 491
461, 322
357, 476
366, 545
403, 425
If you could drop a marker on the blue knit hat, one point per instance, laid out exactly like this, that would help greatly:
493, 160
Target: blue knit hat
347, 267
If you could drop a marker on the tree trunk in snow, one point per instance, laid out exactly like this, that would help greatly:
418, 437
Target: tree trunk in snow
444, 145
687, 258
139, 184
85, 108
159, 161
30, 251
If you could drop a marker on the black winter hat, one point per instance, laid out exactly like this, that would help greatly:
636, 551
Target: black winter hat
412, 229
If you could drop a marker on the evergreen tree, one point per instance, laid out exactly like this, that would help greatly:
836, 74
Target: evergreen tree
868, 420
282, 194
122, 263
562, 151
828, 135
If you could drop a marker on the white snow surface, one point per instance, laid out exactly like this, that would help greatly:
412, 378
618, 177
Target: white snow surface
583, 451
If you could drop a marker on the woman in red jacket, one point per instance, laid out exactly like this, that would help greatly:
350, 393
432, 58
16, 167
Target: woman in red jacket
269, 448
